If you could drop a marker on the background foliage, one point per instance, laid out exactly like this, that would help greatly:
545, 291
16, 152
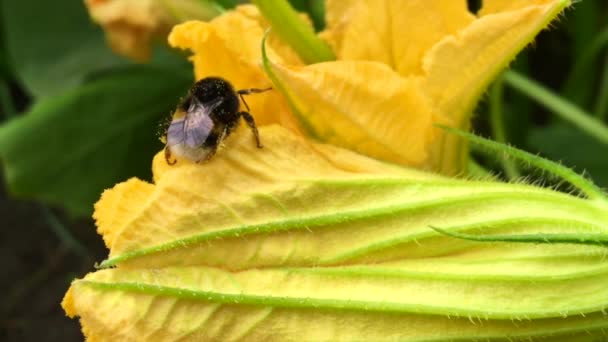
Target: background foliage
77, 119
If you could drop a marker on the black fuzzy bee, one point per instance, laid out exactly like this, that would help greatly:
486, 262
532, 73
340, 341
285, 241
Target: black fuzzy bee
204, 118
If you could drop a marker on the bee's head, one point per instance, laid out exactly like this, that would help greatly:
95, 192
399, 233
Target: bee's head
209, 90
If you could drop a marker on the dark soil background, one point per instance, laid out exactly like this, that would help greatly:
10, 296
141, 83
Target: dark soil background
37, 269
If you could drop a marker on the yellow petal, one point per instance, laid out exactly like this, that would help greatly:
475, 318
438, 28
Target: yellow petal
394, 32
229, 47
241, 185
496, 6
294, 203
376, 303
119, 206
362, 106
460, 67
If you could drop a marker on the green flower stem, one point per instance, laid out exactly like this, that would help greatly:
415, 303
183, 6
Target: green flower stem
565, 109
286, 22
584, 63
498, 129
267, 64
584, 185
601, 106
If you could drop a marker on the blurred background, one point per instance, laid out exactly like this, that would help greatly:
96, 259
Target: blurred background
76, 118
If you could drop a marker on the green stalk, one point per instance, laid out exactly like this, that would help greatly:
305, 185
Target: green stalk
63, 233
290, 27
584, 63
563, 108
584, 185
601, 106
498, 129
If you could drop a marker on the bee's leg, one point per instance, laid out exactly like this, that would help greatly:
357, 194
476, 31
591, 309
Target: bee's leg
250, 91
215, 138
168, 156
251, 123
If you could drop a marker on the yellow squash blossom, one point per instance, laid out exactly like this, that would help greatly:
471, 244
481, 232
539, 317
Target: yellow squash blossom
309, 241
404, 65
301, 241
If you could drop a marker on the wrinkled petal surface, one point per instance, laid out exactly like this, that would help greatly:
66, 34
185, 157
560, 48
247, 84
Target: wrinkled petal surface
362, 106
454, 54
394, 32
459, 68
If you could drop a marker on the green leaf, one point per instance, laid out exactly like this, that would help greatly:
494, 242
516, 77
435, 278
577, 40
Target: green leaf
52, 44
227, 4
556, 142
69, 148
5, 70
315, 9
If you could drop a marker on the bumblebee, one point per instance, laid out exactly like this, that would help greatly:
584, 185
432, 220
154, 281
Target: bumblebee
204, 118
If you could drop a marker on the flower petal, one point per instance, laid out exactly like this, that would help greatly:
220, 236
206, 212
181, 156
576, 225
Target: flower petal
362, 106
394, 32
229, 47
390, 302
130, 24
120, 206
239, 188
497, 6
294, 203
460, 67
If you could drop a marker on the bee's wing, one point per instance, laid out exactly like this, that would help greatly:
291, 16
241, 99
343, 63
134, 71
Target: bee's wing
197, 127
175, 132
198, 123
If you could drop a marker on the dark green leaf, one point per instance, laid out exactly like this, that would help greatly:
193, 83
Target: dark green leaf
226, 3
315, 9
69, 148
573, 147
53, 45
4, 62
584, 26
